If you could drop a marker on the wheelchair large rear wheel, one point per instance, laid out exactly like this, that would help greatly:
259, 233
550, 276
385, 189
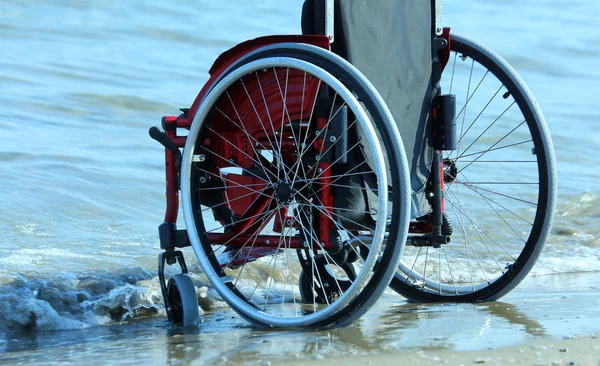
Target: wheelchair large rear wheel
500, 186
261, 161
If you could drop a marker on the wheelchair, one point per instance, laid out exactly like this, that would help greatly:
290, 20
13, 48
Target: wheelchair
307, 191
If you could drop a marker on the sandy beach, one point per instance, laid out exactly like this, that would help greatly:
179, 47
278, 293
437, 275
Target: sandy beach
561, 336
543, 326
546, 351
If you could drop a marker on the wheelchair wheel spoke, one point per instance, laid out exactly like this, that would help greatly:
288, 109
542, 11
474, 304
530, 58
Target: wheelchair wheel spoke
320, 152
479, 230
473, 187
229, 162
329, 260
464, 109
263, 135
285, 113
480, 112
498, 148
414, 263
324, 211
452, 75
487, 129
243, 266
470, 97
498, 185
260, 194
257, 163
326, 170
450, 271
260, 119
234, 183
425, 267
262, 214
477, 227
241, 126
499, 194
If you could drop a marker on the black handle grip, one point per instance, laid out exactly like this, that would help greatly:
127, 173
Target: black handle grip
165, 141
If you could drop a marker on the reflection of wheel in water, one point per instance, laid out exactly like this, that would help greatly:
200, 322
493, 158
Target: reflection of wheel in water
500, 186
332, 275
183, 309
268, 146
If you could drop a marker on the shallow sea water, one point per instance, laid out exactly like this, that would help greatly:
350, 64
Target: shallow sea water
559, 306
82, 186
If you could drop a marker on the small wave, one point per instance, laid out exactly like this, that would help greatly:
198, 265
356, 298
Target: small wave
75, 301
576, 220
583, 204
120, 103
33, 230
68, 301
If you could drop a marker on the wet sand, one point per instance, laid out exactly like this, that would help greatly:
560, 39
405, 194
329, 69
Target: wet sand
531, 325
575, 351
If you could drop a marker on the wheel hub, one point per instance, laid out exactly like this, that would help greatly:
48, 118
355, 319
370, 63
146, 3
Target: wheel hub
283, 193
450, 171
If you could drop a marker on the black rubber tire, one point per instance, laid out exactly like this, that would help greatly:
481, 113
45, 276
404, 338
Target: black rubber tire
547, 185
184, 309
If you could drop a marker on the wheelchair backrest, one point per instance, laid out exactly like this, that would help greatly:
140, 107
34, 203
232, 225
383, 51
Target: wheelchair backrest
390, 42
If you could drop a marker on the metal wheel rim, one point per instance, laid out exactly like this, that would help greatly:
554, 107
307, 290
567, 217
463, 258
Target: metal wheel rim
379, 165
452, 290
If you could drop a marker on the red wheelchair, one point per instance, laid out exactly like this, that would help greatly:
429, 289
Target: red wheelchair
319, 169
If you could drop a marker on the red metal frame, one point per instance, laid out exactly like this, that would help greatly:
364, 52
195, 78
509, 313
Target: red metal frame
244, 204
260, 241
444, 54
324, 173
219, 66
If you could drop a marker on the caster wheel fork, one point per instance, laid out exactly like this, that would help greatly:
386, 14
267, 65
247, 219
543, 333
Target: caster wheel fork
179, 293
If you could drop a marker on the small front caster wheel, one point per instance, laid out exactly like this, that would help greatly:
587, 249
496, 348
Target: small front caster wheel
182, 308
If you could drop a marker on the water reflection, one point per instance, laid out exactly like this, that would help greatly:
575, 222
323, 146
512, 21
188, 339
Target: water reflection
398, 327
